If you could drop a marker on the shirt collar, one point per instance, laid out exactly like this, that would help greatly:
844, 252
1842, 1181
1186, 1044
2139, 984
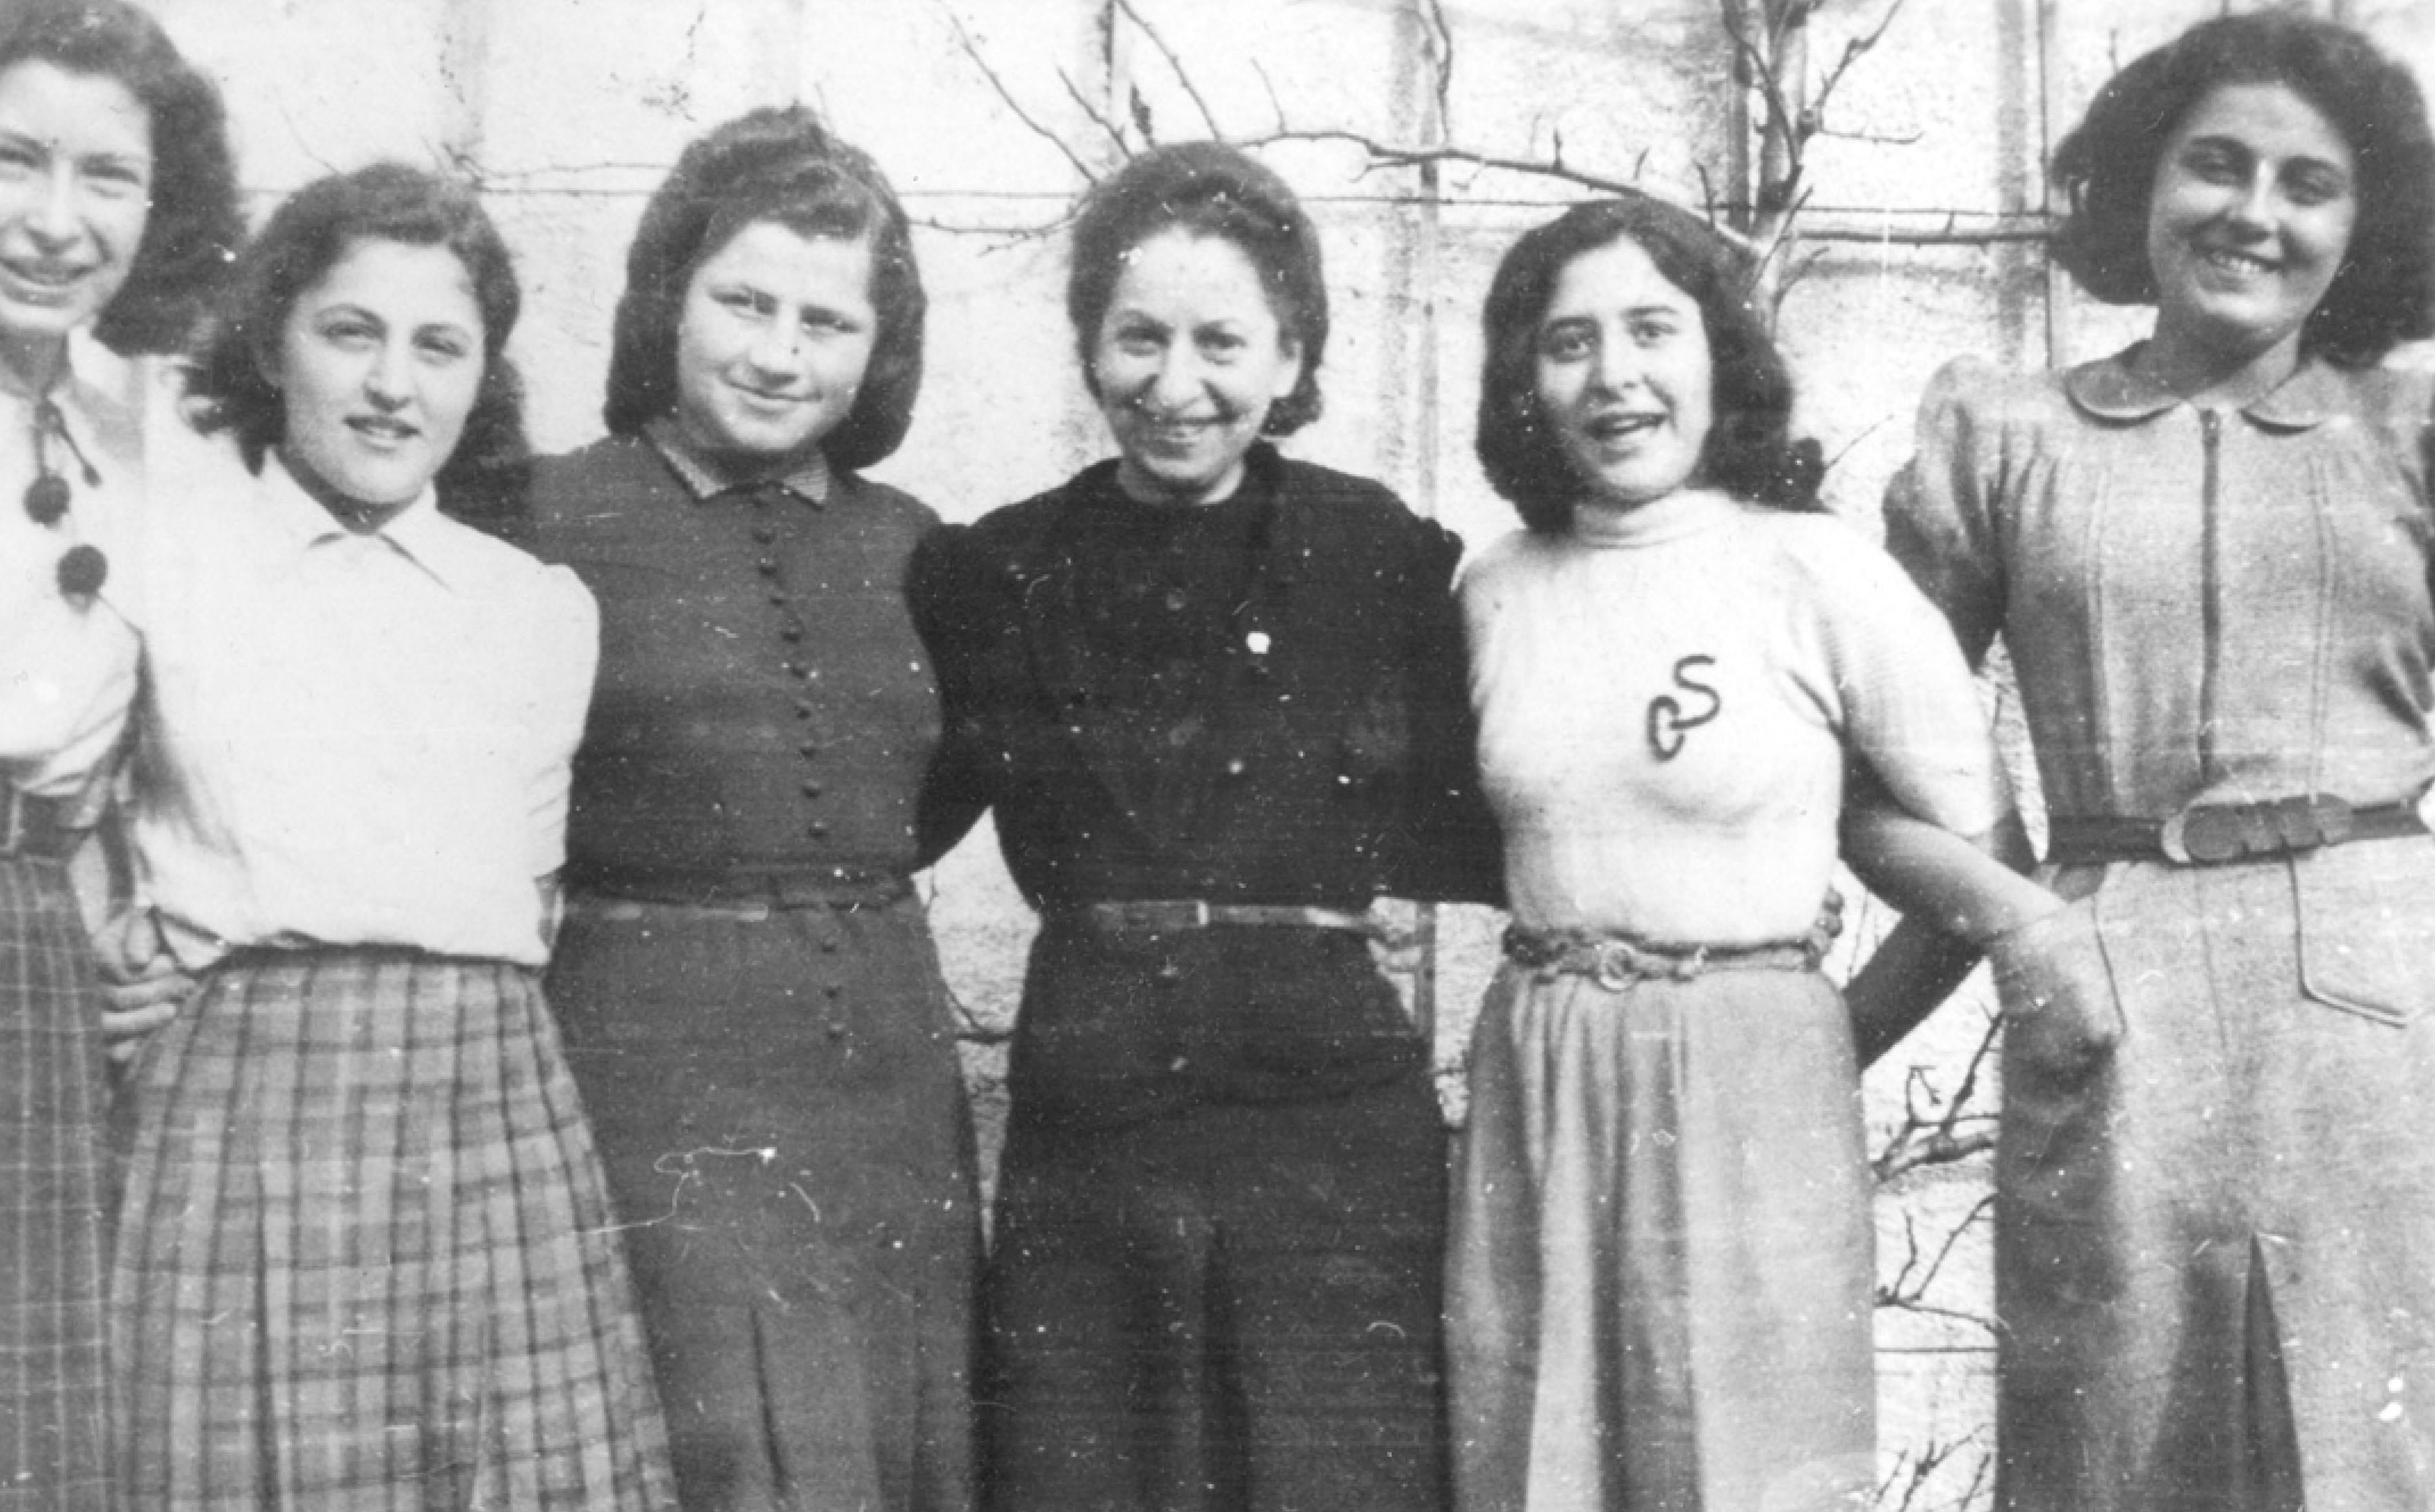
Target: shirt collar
2114, 388
703, 476
419, 532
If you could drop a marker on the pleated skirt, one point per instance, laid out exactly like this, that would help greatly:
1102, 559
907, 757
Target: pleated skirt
366, 1262
1660, 1265
1228, 1308
779, 1106
53, 1388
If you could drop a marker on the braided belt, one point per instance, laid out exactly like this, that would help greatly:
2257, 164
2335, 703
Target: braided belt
1616, 961
2212, 834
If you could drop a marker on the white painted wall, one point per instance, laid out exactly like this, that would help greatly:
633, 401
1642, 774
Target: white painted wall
571, 110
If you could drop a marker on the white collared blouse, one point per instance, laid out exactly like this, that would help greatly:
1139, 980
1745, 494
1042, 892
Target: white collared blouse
346, 739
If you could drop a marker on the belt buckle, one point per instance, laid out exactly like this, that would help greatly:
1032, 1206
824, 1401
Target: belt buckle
2208, 835
1155, 915
12, 825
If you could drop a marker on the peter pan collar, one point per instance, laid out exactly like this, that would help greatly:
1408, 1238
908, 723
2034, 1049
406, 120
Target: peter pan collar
703, 476
2114, 388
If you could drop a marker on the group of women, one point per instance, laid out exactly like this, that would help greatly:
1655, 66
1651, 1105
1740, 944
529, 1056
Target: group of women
538, 1088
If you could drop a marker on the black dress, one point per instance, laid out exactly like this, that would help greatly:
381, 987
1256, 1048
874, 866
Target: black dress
751, 1000
1216, 1277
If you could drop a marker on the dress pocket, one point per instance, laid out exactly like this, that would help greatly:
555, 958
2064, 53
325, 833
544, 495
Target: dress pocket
2367, 928
2061, 1015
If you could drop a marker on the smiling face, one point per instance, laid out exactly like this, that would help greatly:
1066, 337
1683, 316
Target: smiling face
2249, 216
378, 365
1189, 359
1624, 376
76, 181
773, 343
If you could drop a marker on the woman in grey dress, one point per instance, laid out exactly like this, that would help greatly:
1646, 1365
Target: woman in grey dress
2208, 557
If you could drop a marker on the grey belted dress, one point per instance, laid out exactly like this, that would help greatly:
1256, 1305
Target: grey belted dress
2216, 1181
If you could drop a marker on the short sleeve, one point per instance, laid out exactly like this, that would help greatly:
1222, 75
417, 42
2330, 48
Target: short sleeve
1909, 707
1938, 515
566, 653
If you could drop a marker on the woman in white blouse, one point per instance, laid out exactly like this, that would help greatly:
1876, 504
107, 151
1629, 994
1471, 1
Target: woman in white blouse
365, 1259
116, 206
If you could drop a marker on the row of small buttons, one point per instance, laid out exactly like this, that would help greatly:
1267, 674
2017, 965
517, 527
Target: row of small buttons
791, 630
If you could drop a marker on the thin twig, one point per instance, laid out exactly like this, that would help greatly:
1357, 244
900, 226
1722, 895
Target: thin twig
964, 40
1099, 118
1175, 66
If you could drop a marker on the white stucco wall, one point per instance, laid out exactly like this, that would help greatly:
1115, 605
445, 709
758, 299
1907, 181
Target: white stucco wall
571, 110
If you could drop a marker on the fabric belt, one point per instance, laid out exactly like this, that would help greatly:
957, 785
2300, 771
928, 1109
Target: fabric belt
1177, 916
2214, 834
1614, 962
748, 899
35, 827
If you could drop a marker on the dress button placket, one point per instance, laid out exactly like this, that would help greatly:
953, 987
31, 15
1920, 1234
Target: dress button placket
791, 632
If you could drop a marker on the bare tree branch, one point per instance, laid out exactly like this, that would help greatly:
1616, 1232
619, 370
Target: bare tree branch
1099, 118
1175, 66
971, 50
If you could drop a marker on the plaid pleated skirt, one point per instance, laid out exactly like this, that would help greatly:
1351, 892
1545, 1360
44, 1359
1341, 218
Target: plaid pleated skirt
366, 1262
53, 1388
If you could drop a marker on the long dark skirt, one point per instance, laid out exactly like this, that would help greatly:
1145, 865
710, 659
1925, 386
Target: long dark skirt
1659, 1283
1221, 1310
779, 1106
53, 1390
365, 1262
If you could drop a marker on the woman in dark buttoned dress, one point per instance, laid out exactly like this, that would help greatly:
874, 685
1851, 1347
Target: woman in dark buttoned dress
751, 998
1216, 698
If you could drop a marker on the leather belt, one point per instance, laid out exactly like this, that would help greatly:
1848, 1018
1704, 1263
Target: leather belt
36, 826
1178, 916
2209, 834
751, 898
1616, 961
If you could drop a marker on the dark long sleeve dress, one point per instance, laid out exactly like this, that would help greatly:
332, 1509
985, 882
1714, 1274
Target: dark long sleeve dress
1216, 1277
751, 998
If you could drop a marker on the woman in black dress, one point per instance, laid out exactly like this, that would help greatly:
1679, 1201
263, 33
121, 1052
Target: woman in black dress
1216, 698
752, 1001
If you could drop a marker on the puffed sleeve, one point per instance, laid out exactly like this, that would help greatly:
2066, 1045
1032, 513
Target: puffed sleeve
1939, 509
566, 651
1451, 851
1909, 706
950, 596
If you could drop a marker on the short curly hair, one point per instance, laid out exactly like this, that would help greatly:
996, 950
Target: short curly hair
1749, 451
226, 386
195, 224
778, 165
1205, 189
2384, 293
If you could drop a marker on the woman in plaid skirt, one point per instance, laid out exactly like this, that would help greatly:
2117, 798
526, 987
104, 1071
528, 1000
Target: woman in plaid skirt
365, 1259
116, 202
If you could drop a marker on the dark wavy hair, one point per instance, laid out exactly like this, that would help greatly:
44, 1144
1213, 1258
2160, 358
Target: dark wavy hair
226, 386
2384, 293
1750, 452
1206, 189
196, 225
781, 165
